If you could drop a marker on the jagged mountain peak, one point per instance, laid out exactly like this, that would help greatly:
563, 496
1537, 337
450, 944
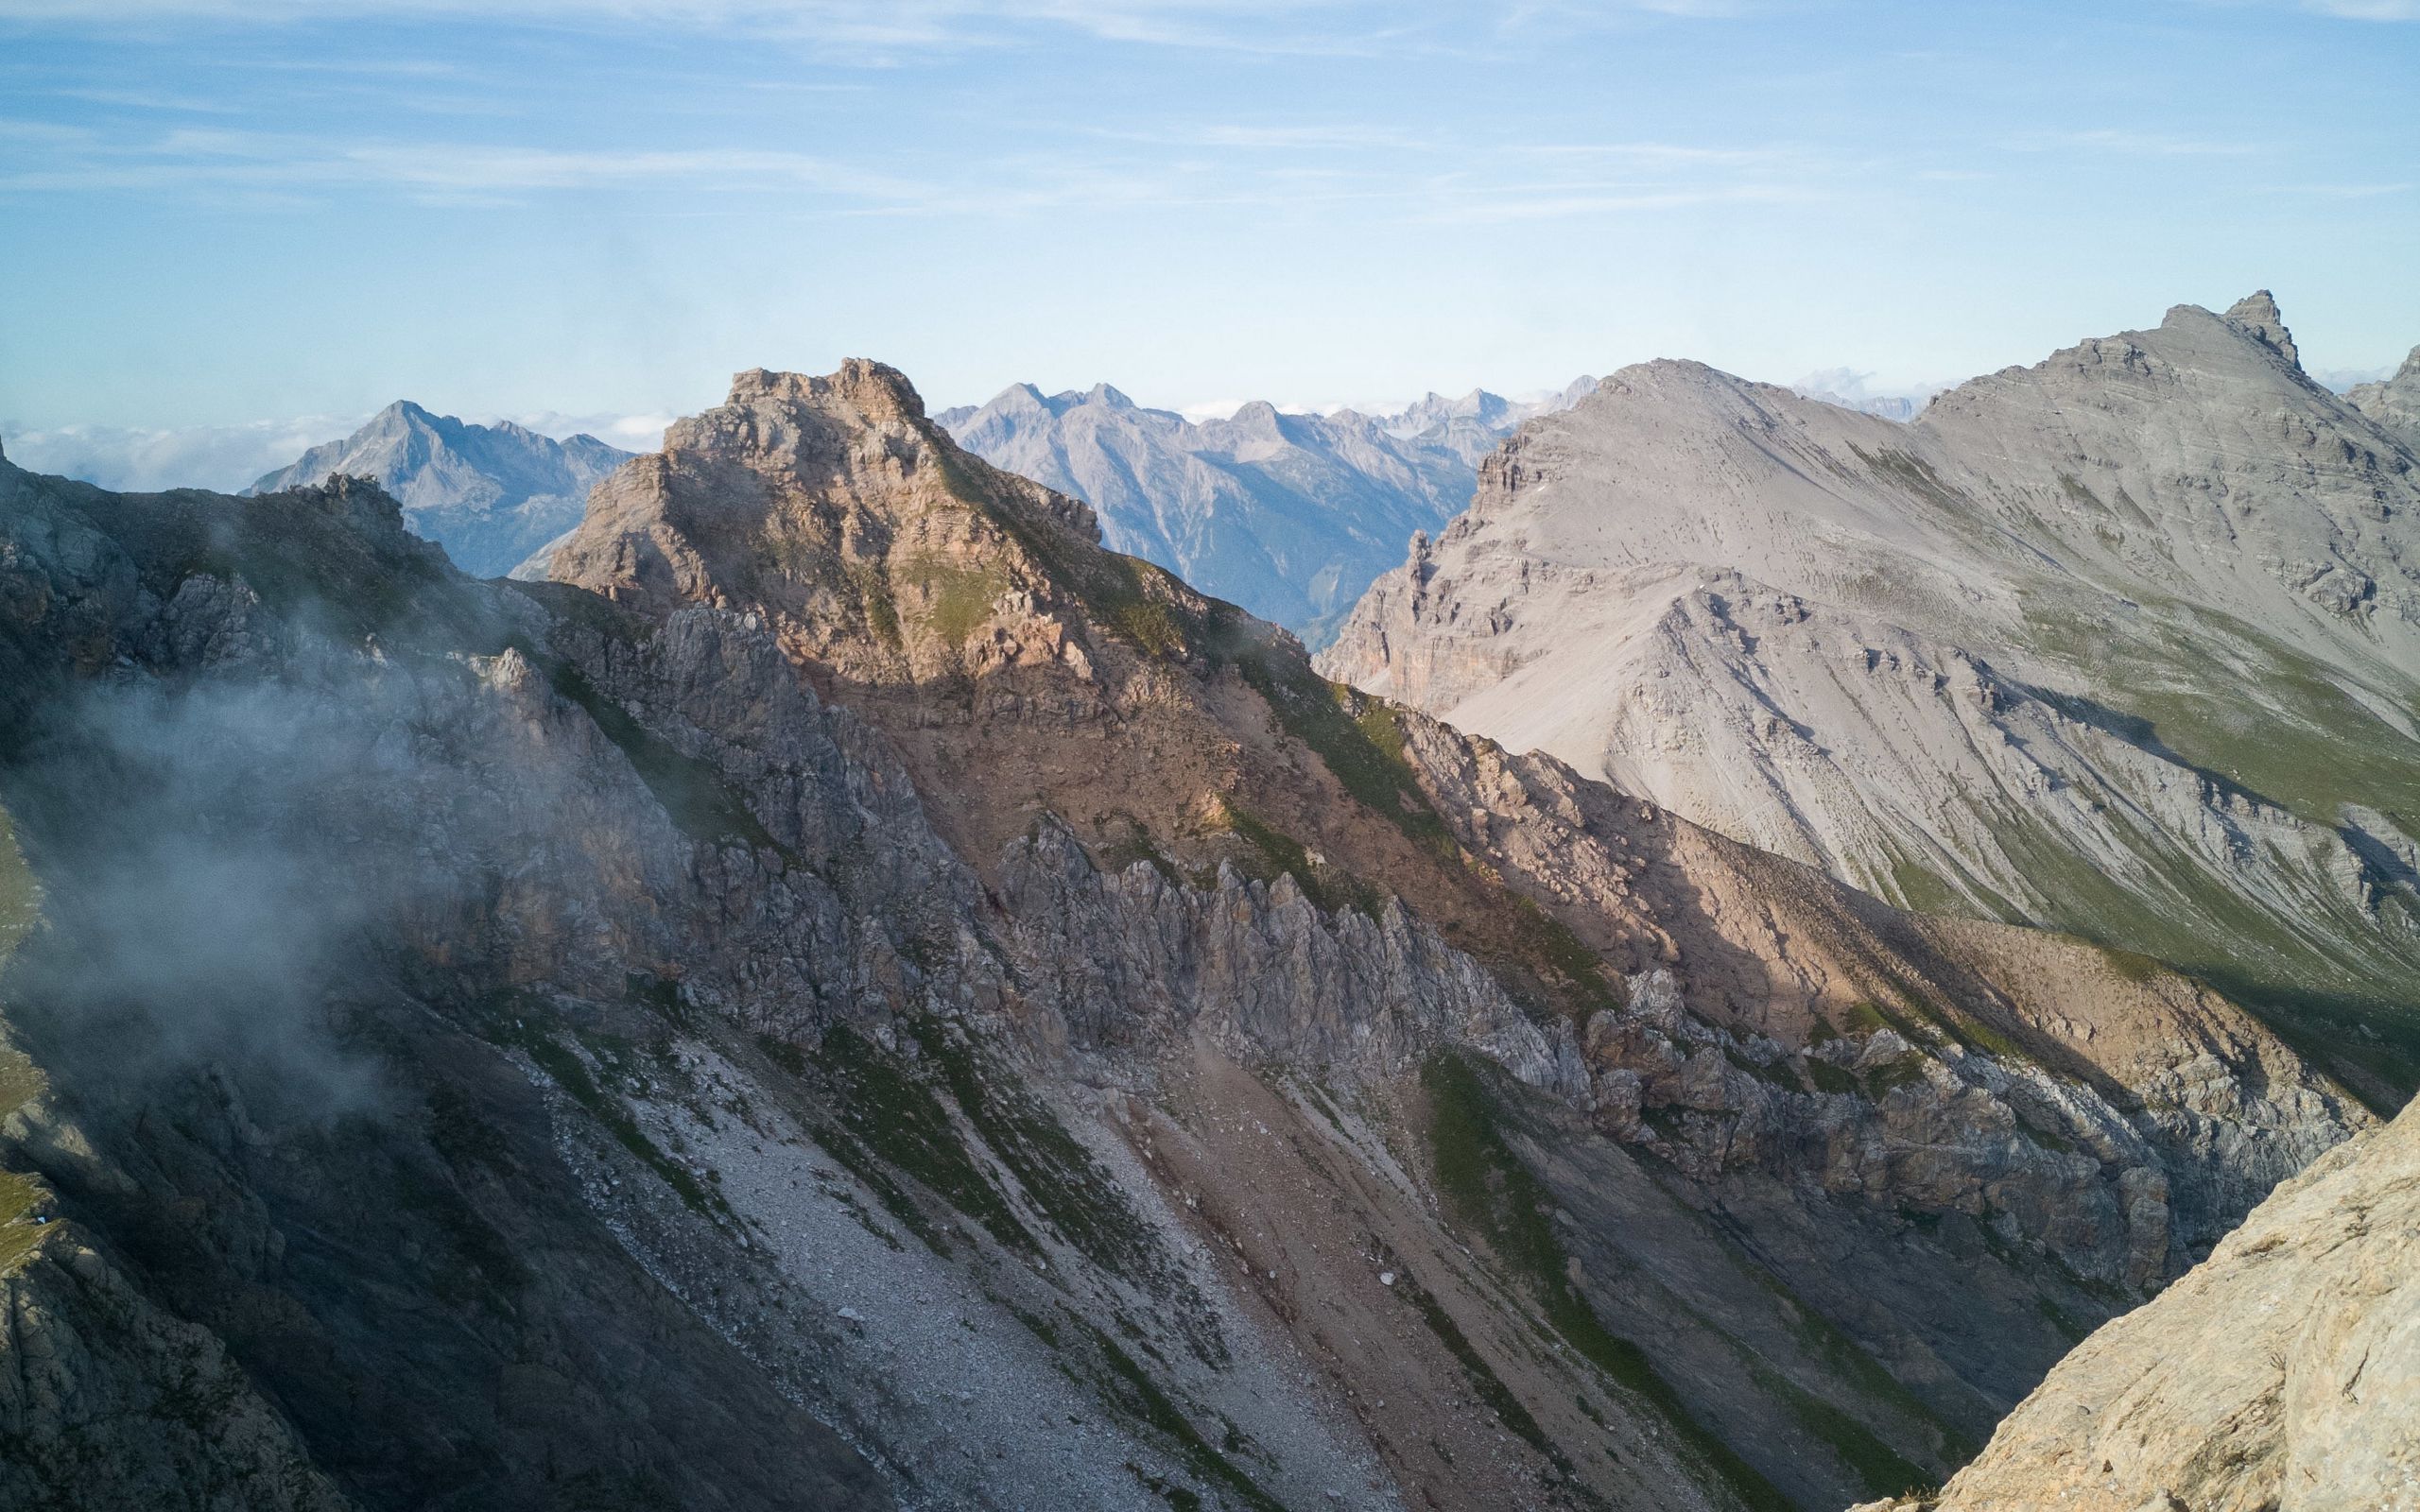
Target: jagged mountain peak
2257, 313
1258, 417
491, 494
831, 503
873, 388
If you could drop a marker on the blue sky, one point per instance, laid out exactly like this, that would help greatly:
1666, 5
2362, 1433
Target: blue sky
220, 213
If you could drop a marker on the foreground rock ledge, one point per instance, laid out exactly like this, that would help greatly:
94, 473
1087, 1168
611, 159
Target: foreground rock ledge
2280, 1375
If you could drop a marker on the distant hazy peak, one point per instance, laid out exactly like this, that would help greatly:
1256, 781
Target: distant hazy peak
491, 494
1257, 415
1849, 389
2393, 403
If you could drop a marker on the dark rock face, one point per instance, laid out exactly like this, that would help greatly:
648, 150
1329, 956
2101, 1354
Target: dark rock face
857, 992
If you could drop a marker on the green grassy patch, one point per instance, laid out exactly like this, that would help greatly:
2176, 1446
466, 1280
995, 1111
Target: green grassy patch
1142, 1399
1358, 739
1140, 604
1486, 1187
1074, 1191
957, 598
1274, 853
1848, 1361
871, 584
19, 1233
515, 1021
1138, 846
1865, 1017
1900, 1070
1486, 1383
1775, 1075
890, 1114
2132, 967
20, 896
1882, 1469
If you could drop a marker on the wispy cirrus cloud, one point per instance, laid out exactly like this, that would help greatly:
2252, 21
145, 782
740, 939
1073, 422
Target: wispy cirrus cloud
2366, 10
197, 160
1519, 202
2132, 144
1268, 165
874, 31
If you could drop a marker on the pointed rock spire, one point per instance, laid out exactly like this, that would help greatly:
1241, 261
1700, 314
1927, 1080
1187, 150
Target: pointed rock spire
2257, 313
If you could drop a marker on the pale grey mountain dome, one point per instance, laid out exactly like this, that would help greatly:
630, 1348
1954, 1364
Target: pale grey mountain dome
2127, 643
1288, 515
490, 494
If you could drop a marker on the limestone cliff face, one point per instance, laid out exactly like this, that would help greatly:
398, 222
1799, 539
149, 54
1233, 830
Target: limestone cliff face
856, 991
2121, 643
2279, 1373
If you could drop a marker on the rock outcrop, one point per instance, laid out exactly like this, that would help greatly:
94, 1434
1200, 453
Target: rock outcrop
2279, 1374
2122, 644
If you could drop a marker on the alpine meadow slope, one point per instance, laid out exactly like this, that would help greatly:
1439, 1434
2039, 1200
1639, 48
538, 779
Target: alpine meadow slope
854, 995
2125, 644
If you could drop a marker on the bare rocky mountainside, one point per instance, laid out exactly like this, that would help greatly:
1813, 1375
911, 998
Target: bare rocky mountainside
2125, 644
854, 995
1288, 515
492, 495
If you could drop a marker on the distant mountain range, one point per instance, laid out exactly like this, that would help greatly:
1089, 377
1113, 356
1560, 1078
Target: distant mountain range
1470, 426
1850, 389
491, 495
1288, 515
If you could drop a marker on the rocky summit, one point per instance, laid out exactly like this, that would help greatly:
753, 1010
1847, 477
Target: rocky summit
492, 495
2124, 644
854, 995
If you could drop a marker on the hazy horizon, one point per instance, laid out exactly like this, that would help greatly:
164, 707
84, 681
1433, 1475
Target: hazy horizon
226, 217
